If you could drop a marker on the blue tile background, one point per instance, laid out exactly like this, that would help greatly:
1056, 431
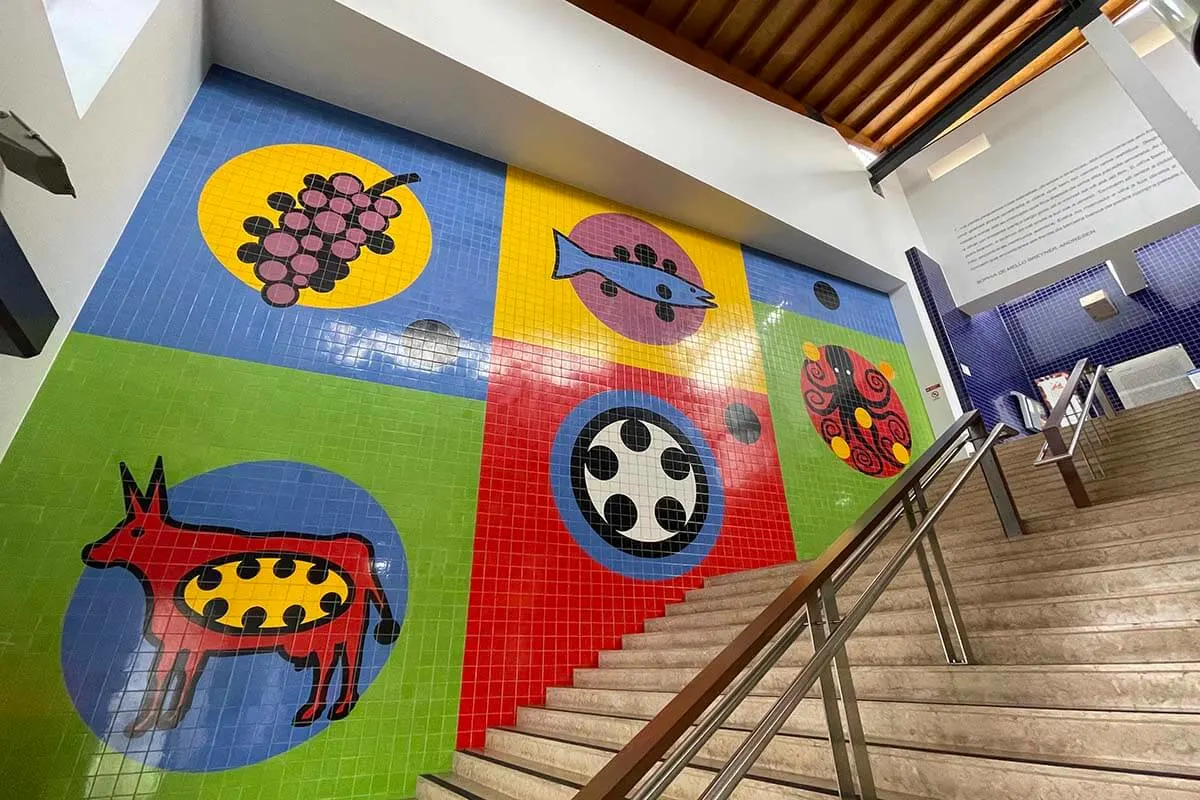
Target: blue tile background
162, 285
981, 342
789, 286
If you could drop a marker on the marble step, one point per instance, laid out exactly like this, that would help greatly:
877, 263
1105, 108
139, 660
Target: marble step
1102, 644
924, 773
1183, 571
455, 787
1154, 742
1125, 687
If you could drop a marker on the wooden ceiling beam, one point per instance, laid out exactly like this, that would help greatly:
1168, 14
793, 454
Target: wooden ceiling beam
657, 36
804, 53
967, 71
685, 11
796, 19
965, 16
760, 19
718, 23
885, 60
861, 46
1002, 14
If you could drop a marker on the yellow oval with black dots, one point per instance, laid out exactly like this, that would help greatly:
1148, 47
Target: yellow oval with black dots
260, 593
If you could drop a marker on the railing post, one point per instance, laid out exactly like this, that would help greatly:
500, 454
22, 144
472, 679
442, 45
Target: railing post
854, 726
939, 561
1010, 519
829, 698
1066, 466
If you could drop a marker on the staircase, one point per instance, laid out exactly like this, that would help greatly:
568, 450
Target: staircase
1086, 635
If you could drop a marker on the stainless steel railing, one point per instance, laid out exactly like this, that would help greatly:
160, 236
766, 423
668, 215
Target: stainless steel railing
1090, 430
813, 596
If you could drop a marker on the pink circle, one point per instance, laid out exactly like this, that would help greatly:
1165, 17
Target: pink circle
281, 244
280, 294
625, 313
347, 251
311, 242
357, 235
296, 220
361, 200
341, 205
313, 198
299, 281
347, 184
269, 271
372, 221
387, 206
305, 264
330, 222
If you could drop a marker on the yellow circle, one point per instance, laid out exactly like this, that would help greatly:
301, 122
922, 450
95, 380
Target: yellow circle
240, 187
863, 418
839, 447
888, 371
900, 452
812, 352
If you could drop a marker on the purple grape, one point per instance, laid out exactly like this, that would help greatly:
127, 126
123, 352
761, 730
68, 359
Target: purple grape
313, 199
280, 295
296, 220
347, 251
304, 264
357, 235
312, 242
270, 271
329, 222
388, 207
361, 200
372, 221
341, 205
346, 184
300, 281
281, 244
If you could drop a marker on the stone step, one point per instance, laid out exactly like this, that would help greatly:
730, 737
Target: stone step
1168, 604
1100, 554
1105, 644
1154, 742
1124, 687
935, 774
1149, 575
455, 787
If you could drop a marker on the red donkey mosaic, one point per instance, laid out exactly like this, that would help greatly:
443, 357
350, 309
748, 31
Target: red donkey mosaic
214, 591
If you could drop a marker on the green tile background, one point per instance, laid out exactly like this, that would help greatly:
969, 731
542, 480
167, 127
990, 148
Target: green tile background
824, 494
105, 401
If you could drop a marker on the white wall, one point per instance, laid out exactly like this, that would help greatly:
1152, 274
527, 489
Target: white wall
1056, 123
110, 153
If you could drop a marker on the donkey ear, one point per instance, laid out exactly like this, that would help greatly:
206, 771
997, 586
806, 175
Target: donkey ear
135, 501
156, 492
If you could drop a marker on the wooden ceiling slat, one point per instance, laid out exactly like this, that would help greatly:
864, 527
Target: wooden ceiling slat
834, 62
995, 24
937, 40
685, 13
755, 25
718, 23
663, 12
818, 37
793, 23
878, 35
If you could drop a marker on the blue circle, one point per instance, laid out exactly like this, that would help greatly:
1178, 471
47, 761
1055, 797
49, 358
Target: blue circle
615, 559
244, 705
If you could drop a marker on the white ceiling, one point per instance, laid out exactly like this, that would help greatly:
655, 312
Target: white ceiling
303, 45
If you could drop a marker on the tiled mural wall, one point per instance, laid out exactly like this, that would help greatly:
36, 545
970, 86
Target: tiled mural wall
362, 440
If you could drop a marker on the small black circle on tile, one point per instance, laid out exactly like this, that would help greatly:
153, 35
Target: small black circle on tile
247, 568
621, 253
215, 609
331, 602
284, 567
620, 512
669, 266
827, 295
430, 344
670, 514
602, 462
208, 579
253, 618
664, 312
318, 574
608, 288
743, 423
663, 291
293, 617
675, 464
635, 435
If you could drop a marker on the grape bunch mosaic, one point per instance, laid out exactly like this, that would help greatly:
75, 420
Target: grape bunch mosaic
319, 233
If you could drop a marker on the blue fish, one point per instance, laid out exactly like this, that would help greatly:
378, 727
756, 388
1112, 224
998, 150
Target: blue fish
648, 283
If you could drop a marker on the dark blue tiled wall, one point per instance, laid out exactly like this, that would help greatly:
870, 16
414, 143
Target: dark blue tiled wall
1051, 331
980, 342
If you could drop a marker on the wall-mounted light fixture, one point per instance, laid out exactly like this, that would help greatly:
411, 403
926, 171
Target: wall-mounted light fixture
1098, 306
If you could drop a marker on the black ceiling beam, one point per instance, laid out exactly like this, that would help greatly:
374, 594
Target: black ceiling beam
1074, 14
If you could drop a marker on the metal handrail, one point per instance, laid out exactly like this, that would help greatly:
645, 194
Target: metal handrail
759, 646
1087, 407
1054, 450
